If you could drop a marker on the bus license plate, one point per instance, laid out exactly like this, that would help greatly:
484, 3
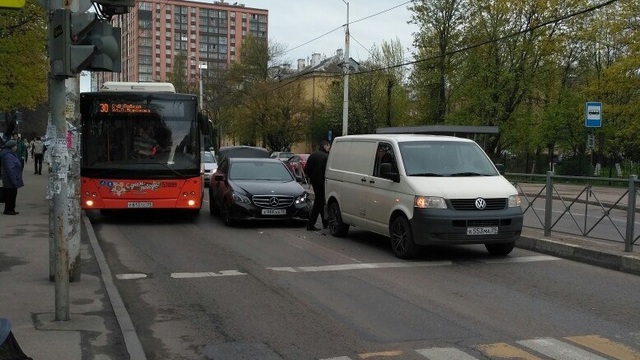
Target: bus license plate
140, 205
492, 230
274, 211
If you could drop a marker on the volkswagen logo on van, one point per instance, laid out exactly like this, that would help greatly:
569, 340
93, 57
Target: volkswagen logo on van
480, 204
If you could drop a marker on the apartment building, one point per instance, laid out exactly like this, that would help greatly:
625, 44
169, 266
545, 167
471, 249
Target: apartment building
155, 32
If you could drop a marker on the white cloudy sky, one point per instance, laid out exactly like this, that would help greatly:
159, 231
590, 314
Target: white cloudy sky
301, 26
293, 23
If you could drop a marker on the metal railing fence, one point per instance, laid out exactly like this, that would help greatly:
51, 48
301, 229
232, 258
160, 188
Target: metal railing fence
585, 193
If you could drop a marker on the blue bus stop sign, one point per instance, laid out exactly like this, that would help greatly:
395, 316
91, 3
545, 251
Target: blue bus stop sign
593, 114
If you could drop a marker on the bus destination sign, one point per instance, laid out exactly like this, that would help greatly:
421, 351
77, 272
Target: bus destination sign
123, 108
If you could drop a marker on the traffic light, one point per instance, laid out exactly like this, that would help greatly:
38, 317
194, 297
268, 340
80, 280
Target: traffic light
80, 41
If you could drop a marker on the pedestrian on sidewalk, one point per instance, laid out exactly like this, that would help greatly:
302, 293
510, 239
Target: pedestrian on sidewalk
315, 170
21, 149
11, 176
25, 143
37, 152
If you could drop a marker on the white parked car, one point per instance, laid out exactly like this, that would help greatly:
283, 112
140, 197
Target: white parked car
209, 164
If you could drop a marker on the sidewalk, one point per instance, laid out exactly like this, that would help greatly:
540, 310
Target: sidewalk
99, 326
27, 296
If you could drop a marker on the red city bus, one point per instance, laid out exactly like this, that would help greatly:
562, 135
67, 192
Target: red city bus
141, 148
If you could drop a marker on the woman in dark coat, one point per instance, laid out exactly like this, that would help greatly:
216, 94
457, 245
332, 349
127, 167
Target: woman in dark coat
11, 176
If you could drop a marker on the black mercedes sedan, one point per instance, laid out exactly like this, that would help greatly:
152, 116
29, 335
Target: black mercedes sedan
256, 189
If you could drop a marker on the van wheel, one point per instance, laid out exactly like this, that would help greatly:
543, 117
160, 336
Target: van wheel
402, 238
336, 227
500, 249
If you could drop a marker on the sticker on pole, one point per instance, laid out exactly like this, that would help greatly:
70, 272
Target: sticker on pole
593, 114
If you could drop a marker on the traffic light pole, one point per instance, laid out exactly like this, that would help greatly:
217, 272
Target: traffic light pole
58, 190
78, 40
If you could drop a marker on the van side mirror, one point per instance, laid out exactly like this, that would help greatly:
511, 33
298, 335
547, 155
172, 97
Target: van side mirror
500, 168
387, 172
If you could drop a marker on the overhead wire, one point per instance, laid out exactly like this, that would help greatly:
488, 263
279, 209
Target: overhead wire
486, 42
349, 23
587, 10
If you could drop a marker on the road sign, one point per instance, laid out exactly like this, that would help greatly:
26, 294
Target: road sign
593, 114
12, 4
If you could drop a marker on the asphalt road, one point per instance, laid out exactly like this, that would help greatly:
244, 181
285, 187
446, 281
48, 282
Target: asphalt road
275, 291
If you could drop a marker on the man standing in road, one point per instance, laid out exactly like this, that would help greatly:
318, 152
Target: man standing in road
315, 170
37, 152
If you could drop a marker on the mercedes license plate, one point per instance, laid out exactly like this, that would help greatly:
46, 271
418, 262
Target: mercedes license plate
490, 230
274, 211
139, 205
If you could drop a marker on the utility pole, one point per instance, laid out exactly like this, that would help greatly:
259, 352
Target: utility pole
57, 188
77, 41
345, 101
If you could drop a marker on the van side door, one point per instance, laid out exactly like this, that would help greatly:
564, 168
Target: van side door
383, 188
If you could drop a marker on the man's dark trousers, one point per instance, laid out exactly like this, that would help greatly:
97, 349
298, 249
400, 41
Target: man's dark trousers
10, 195
37, 163
318, 205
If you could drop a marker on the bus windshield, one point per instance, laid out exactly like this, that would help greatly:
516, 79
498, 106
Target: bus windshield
129, 132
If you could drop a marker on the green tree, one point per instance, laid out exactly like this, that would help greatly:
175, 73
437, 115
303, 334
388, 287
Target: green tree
265, 111
442, 26
179, 76
23, 58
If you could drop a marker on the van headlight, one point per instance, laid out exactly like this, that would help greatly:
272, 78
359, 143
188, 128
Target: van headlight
430, 202
514, 201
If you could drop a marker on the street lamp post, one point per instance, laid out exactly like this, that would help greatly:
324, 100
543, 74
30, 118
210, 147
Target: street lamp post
345, 102
202, 65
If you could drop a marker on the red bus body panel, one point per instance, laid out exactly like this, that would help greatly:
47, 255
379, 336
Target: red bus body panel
141, 193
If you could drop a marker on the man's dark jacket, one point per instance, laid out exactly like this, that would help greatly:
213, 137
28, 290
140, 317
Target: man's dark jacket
316, 166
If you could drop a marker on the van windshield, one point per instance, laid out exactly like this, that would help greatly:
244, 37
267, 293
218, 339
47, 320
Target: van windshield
445, 158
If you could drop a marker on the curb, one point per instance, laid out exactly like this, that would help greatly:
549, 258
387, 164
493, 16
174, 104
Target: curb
623, 261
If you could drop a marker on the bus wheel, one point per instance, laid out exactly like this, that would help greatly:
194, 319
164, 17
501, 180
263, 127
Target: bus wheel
193, 214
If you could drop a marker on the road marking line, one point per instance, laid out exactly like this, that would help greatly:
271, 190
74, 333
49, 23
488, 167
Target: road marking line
130, 276
381, 353
606, 346
521, 259
505, 351
345, 267
558, 350
206, 274
445, 354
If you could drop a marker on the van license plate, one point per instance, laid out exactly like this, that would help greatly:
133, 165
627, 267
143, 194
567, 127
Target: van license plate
492, 230
274, 211
139, 205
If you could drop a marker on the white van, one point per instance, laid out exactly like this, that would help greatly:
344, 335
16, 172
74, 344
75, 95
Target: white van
421, 190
